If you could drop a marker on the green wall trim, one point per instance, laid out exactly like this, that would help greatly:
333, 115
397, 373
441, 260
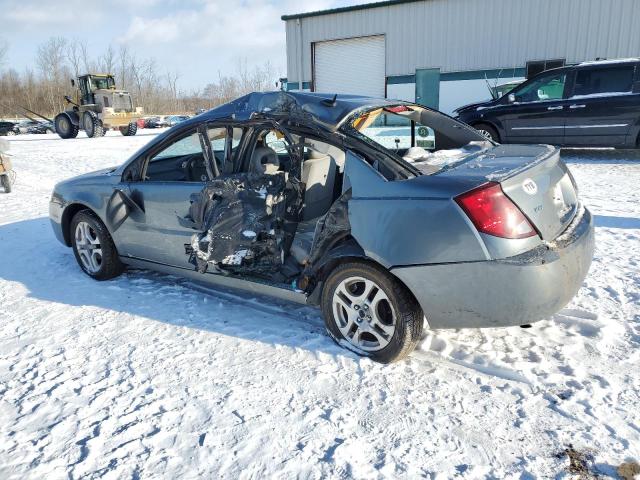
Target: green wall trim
482, 74
398, 79
469, 75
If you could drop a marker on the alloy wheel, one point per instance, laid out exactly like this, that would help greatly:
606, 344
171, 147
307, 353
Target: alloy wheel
88, 247
485, 133
363, 313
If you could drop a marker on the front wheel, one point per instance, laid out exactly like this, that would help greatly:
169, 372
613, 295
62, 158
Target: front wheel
93, 247
129, 130
373, 312
92, 125
487, 131
65, 128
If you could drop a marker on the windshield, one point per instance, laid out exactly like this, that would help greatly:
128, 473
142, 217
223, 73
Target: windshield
426, 139
103, 83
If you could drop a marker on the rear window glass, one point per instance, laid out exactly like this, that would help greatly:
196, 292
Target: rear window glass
426, 139
605, 80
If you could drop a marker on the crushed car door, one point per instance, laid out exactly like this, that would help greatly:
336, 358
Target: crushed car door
243, 222
145, 213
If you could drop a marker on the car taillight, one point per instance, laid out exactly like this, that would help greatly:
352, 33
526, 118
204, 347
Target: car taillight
492, 212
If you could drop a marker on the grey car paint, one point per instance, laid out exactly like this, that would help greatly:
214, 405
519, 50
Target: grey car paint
412, 226
514, 291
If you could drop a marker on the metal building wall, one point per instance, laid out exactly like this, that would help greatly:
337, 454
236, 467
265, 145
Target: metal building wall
465, 35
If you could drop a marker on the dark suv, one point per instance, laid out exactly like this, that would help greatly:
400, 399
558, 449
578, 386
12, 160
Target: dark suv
594, 104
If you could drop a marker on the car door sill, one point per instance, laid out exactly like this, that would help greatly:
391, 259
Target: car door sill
218, 280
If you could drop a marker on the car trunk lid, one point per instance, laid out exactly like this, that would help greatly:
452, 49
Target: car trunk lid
532, 176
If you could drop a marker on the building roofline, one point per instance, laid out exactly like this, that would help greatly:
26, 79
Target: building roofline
352, 8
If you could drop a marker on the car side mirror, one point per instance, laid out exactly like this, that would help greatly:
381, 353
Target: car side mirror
511, 97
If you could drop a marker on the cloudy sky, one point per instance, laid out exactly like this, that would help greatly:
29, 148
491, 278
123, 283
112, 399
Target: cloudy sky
197, 38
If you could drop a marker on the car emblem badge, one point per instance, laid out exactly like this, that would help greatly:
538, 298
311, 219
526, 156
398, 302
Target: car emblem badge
529, 186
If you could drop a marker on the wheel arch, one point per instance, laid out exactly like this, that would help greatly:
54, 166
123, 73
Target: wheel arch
67, 215
71, 115
491, 124
346, 249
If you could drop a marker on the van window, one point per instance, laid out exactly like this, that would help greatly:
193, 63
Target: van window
604, 80
546, 87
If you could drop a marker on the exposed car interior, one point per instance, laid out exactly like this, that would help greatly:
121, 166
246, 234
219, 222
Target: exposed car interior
322, 168
182, 161
322, 173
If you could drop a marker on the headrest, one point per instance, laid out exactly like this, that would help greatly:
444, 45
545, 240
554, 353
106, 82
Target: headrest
316, 154
264, 161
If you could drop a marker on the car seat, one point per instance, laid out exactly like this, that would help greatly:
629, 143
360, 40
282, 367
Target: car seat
264, 161
319, 174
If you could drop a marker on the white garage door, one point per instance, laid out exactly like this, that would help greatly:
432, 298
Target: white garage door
354, 65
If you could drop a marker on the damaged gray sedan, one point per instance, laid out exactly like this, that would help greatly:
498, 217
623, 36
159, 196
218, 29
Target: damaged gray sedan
386, 214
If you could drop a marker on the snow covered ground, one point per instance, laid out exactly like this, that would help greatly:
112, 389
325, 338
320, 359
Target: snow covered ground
144, 377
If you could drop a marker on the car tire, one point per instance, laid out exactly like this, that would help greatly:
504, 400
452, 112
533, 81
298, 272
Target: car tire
93, 246
487, 131
92, 125
371, 311
129, 130
65, 127
6, 183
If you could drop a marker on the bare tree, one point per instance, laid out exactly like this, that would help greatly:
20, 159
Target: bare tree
75, 56
88, 64
4, 47
108, 60
124, 65
51, 61
172, 85
43, 87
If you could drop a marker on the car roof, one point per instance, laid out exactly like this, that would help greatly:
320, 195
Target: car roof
590, 63
325, 108
613, 61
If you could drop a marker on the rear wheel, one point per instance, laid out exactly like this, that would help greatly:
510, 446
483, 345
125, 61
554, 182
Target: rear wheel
65, 127
93, 247
129, 130
6, 183
487, 131
92, 125
372, 311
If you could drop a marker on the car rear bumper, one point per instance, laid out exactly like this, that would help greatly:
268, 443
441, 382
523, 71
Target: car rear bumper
499, 293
